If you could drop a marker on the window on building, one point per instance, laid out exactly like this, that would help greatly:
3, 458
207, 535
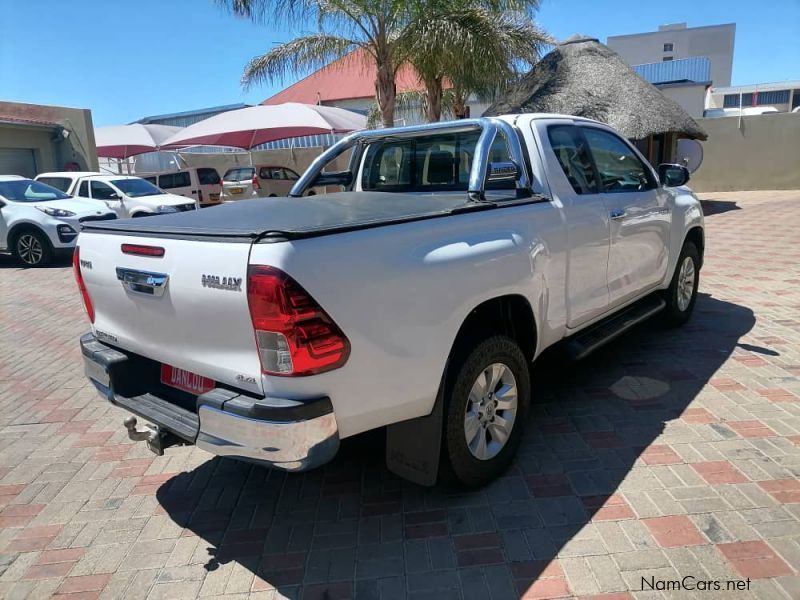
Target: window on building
668, 47
666, 59
796, 99
774, 97
732, 100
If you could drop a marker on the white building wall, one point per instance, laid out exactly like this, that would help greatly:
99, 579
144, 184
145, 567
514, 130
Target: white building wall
714, 41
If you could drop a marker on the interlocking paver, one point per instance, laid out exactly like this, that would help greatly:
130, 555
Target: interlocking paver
666, 454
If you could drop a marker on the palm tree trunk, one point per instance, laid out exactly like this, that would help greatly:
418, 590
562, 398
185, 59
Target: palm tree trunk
385, 91
433, 104
460, 108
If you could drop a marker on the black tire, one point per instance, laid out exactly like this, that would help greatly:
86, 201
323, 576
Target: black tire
139, 215
459, 465
32, 248
311, 193
676, 314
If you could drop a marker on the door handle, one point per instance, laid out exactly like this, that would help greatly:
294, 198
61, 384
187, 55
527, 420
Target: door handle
617, 214
143, 282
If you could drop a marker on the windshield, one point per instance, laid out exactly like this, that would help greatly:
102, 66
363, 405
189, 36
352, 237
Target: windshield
135, 188
28, 190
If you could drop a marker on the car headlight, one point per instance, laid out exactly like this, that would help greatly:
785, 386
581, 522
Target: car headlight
166, 208
56, 212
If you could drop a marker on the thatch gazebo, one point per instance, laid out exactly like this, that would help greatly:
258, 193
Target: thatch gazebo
585, 78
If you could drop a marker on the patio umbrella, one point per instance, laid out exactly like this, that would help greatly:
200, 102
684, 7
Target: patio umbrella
249, 127
122, 141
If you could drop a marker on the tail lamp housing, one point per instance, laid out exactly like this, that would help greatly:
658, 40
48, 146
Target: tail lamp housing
76, 266
294, 335
255, 182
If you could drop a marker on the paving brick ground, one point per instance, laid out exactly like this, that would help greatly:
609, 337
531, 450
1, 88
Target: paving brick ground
668, 454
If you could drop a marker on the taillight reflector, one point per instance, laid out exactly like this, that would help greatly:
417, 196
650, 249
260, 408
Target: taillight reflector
76, 267
256, 184
294, 335
139, 250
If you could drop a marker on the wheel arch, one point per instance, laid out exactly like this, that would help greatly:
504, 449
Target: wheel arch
511, 315
21, 227
696, 235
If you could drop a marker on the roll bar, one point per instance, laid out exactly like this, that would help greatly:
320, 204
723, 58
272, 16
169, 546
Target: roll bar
481, 167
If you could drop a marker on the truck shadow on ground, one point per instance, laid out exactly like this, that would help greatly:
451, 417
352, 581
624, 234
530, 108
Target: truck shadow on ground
352, 529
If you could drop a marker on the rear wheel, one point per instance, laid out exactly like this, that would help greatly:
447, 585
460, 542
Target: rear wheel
682, 291
485, 407
32, 248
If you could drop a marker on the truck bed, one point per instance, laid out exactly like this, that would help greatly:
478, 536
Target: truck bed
292, 218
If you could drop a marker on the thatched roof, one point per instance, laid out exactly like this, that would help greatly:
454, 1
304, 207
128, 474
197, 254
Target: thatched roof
585, 78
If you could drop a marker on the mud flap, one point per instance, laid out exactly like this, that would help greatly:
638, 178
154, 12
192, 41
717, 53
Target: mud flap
413, 447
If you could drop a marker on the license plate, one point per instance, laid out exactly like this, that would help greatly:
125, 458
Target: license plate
214, 197
185, 380
237, 190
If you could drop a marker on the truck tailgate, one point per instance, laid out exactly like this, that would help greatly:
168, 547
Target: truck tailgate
197, 320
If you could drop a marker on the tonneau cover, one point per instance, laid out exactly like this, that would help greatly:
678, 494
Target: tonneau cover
294, 217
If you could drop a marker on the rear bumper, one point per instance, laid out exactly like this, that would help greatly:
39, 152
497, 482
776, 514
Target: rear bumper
292, 435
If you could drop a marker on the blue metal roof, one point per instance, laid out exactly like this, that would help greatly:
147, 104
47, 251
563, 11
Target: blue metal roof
192, 114
695, 68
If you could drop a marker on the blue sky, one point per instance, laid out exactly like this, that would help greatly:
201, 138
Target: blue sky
126, 60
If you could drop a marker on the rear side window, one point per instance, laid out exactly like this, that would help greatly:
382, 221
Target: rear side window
440, 162
207, 176
60, 183
619, 167
174, 180
269, 173
83, 190
151, 179
239, 174
573, 156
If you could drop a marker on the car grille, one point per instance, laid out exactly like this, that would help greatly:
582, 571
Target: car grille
185, 207
108, 217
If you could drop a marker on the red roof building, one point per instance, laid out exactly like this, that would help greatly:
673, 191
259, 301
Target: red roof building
352, 77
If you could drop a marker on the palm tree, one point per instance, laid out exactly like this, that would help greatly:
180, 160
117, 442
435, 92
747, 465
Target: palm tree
475, 49
381, 30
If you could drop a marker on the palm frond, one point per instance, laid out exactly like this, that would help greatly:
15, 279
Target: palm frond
296, 57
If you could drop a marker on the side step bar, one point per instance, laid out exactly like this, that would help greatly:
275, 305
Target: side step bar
590, 339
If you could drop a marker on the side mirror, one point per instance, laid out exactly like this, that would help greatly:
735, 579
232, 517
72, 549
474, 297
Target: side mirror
673, 175
503, 171
333, 178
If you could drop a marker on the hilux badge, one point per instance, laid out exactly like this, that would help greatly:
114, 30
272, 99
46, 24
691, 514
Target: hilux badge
233, 284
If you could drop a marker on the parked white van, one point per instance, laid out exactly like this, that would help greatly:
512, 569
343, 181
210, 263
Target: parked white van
260, 181
198, 183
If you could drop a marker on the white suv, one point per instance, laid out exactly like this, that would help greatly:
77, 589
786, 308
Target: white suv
38, 221
126, 195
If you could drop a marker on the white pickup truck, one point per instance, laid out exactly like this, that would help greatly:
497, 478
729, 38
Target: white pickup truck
414, 300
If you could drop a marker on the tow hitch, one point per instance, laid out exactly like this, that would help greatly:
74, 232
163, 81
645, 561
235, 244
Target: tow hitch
157, 439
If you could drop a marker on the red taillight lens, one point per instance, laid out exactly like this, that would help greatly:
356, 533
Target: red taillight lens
293, 334
76, 266
256, 184
139, 250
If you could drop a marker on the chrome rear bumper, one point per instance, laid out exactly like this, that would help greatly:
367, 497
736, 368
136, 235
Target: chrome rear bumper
292, 435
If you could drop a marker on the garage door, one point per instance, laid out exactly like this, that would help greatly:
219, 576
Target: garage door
17, 161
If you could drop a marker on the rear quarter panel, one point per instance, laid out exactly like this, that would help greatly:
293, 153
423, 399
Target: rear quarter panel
400, 294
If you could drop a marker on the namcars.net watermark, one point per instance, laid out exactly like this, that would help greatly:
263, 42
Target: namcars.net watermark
690, 583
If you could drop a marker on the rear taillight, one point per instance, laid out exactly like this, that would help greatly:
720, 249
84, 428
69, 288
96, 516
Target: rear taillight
256, 185
293, 334
76, 266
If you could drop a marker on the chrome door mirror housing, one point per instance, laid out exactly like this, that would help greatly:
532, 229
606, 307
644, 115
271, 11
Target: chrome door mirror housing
672, 175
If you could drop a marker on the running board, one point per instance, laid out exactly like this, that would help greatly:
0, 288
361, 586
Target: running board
590, 339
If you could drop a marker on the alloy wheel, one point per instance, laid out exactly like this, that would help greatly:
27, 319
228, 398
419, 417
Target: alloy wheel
686, 278
30, 249
490, 411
